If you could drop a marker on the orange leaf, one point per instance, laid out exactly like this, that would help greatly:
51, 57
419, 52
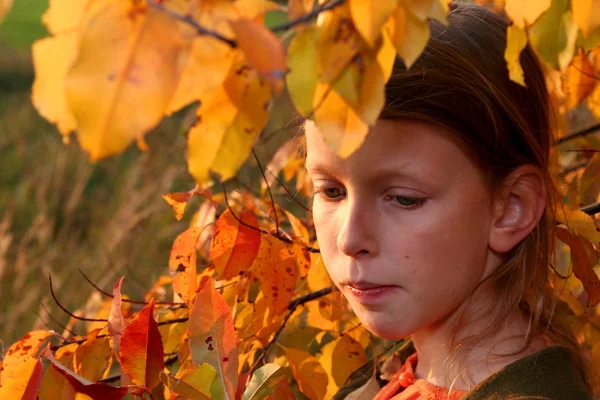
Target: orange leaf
276, 269
580, 79
212, 336
182, 264
584, 256
297, 8
116, 319
282, 391
264, 51
54, 385
235, 245
178, 201
24, 383
142, 350
309, 373
21, 352
92, 358
96, 391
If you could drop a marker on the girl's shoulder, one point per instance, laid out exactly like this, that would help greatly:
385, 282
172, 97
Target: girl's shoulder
548, 374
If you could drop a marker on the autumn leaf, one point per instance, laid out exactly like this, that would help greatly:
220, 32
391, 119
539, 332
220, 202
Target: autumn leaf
178, 202
589, 183
516, 40
182, 264
584, 256
302, 78
229, 120
63, 16
297, 8
212, 337
92, 359
408, 33
340, 358
309, 373
54, 385
263, 50
235, 244
24, 380
580, 79
95, 390
277, 271
552, 34
199, 382
21, 352
116, 319
579, 223
526, 12
586, 14
141, 353
121, 83
282, 391
263, 382
5, 7
369, 16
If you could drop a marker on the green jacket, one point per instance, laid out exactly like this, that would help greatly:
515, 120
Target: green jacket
548, 374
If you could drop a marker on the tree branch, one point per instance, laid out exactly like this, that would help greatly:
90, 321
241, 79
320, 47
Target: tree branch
328, 5
189, 20
116, 377
262, 171
69, 312
577, 134
591, 209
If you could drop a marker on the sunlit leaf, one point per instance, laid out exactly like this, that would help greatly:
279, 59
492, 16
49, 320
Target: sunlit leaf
142, 352
586, 14
263, 49
584, 256
120, 69
24, 382
548, 35
589, 183
408, 33
54, 385
516, 40
302, 78
178, 202
212, 337
423, 9
92, 358
580, 79
579, 223
63, 16
182, 264
93, 389
199, 382
277, 271
263, 382
340, 358
297, 8
526, 12
369, 16
116, 319
309, 373
235, 243
21, 352
229, 120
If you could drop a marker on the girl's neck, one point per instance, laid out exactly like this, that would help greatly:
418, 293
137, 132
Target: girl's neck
443, 363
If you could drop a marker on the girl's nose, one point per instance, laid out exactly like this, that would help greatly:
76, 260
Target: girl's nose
357, 235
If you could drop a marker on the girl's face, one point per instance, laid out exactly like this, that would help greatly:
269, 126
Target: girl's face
403, 225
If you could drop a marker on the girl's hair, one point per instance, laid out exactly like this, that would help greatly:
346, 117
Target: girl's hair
461, 83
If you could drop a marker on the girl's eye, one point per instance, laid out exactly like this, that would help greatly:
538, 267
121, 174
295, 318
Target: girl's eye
407, 201
332, 192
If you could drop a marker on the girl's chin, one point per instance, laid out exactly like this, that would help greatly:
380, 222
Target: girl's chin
383, 327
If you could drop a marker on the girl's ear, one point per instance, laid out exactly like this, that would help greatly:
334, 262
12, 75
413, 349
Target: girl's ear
518, 208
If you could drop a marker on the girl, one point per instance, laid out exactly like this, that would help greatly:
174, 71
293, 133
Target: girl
439, 227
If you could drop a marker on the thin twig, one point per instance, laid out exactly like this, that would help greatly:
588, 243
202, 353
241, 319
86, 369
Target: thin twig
591, 209
69, 312
189, 20
292, 197
165, 303
110, 379
307, 17
56, 321
572, 168
577, 134
262, 171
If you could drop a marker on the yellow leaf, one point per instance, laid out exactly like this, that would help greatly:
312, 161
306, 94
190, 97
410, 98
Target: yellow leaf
594, 101
23, 385
549, 35
516, 40
130, 60
229, 120
52, 59
207, 66
309, 373
342, 128
341, 358
571, 30
408, 33
20, 352
386, 56
91, 359
526, 12
301, 80
297, 8
423, 9
5, 7
369, 16
337, 43
263, 50
63, 16
586, 14
580, 80
579, 223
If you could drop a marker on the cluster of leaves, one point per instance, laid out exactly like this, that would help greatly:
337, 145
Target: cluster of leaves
259, 318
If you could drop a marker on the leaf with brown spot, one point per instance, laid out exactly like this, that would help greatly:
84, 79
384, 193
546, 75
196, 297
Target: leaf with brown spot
178, 202
142, 354
24, 382
182, 264
212, 337
21, 352
235, 245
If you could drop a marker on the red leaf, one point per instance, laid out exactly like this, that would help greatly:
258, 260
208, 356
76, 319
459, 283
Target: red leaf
95, 390
235, 245
142, 355
116, 319
182, 264
212, 336
584, 256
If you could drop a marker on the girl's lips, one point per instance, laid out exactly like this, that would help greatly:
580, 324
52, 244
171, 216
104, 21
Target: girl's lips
371, 294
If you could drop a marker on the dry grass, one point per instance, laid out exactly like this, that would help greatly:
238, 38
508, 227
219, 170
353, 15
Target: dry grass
59, 213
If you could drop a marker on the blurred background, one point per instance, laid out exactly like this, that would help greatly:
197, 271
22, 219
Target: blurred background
59, 213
